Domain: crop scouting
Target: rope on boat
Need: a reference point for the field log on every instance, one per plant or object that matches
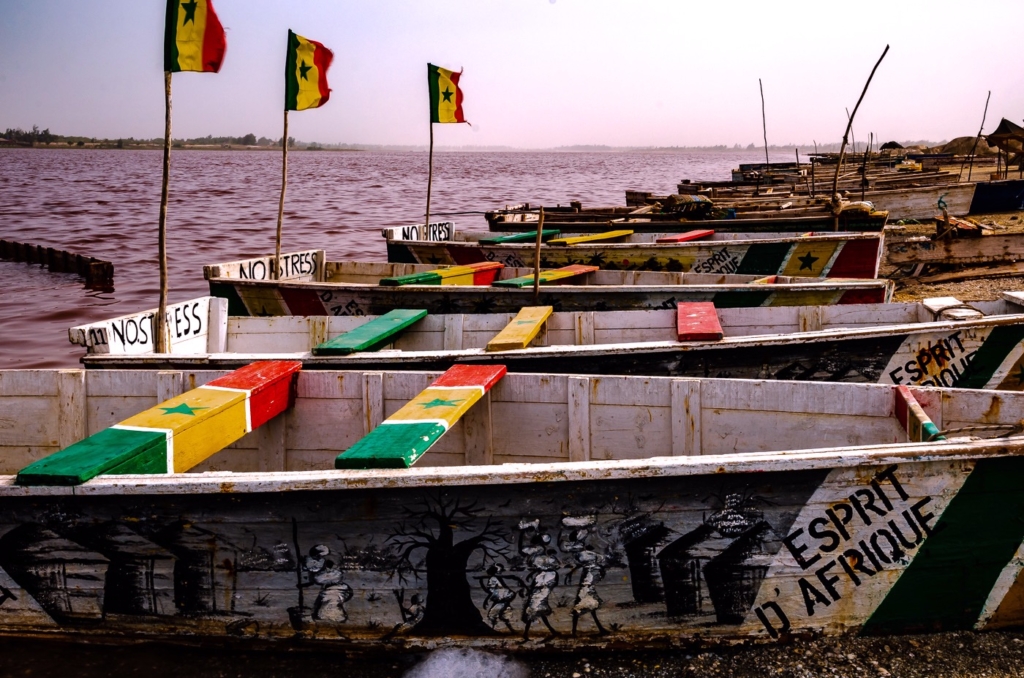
(1011, 430)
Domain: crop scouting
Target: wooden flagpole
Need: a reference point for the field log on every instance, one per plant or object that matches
(430, 176)
(536, 257)
(276, 273)
(836, 202)
(160, 326)
(764, 126)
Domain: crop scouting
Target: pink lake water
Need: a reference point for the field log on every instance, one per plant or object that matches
(223, 206)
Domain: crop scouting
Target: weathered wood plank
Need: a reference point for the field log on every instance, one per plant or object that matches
(913, 418)
(71, 426)
(592, 237)
(686, 237)
(528, 236)
(548, 276)
(372, 335)
(178, 434)
(407, 434)
(482, 273)
(697, 321)
(579, 418)
(522, 330)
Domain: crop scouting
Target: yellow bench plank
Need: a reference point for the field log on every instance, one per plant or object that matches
(593, 237)
(522, 330)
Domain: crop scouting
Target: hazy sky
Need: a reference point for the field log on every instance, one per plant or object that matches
(538, 73)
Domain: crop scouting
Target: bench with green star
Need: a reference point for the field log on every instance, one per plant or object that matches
(522, 330)
(406, 435)
(177, 434)
(373, 335)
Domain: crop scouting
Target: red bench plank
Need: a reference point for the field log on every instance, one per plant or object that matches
(270, 391)
(698, 321)
(684, 237)
(471, 375)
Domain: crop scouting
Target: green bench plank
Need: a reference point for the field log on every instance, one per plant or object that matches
(530, 236)
(112, 450)
(373, 335)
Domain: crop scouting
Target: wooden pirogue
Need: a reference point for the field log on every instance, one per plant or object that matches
(685, 211)
(558, 512)
(355, 288)
(618, 247)
(939, 342)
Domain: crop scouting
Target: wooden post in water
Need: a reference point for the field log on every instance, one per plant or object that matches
(764, 126)
(836, 203)
(536, 257)
(276, 273)
(160, 324)
(977, 139)
(430, 177)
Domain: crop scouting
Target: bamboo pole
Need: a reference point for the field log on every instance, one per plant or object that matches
(836, 203)
(430, 177)
(276, 273)
(764, 126)
(536, 257)
(160, 326)
(864, 167)
(977, 139)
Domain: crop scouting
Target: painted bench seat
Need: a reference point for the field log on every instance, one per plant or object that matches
(529, 236)
(548, 276)
(522, 329)
(686, 237)
(406, 435)
(698, 321)
(592, 237)
(480, 273)
(373, 335)
(177, 434)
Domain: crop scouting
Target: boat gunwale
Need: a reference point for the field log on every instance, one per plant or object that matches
(556, 350)
(256, 482)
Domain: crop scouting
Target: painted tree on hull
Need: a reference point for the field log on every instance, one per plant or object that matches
(433, 524)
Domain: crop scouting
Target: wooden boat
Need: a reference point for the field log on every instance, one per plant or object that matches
(940, 342)
(679, 213)
(959, 252)
(561, 512)
(832, 255)
(351, 288)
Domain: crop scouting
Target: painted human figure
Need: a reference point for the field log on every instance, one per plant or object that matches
(334, 593)
(542, 578)
(498, 603)
(591, 566)
(412, 613)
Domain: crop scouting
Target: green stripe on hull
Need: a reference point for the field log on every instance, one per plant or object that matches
(741, 299)
(125, 450)
(391, 446)
(991, 355)
(764, 258)
(236, 307)
(946, 585)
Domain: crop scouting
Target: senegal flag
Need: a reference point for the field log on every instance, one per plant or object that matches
(445, 95)
(305, 74)
(193, 37)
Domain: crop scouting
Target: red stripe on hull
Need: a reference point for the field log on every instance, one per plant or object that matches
(858, 259)
(302, 302)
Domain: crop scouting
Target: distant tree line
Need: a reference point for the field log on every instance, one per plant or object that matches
(31, 136)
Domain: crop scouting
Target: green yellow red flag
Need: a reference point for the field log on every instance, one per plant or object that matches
(305, 74)
(194, 39)
(445, 95)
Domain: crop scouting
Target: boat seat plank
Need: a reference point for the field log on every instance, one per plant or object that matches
(950, 308)
(698, 321)
(522, 330)
(592, 237)
(406, 435)
(548, 276)
(913, 418)
(177, 434)
(686, 237)
(528, 236)
(767, 280)
(480, 273)
(373, 335)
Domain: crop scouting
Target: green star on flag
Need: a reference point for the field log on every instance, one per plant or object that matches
(440, 402)
(183, 408)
